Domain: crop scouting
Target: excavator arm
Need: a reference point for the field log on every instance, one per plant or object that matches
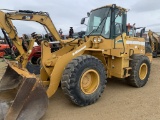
(7, 25)
(31, 100)
(40, 17)
(25, 15)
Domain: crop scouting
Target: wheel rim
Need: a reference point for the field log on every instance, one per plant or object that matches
(143, 71)
(38, 61)
(89, 81)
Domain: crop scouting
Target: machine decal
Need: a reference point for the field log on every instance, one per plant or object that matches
(135, 42)
(27, 17)
(119, 41)
(77, 51)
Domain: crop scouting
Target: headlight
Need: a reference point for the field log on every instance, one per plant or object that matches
(95, 40)
(99, 39)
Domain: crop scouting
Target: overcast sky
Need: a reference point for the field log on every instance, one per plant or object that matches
(67, 13)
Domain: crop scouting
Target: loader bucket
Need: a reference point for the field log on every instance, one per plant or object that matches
(29, 102)
(11, 79)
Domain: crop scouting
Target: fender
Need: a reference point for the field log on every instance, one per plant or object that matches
(61, 63)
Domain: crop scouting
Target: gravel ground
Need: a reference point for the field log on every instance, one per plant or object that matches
(118, 102)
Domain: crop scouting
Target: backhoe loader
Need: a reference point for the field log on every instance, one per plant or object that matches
(154, 43)
(81, 66)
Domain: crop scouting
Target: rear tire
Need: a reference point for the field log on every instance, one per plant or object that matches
(77, 81)
(154, 54)
(148, 49)
(140, 71)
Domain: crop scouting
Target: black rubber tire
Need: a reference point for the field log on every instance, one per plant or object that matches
(134, 79)
(148, 49)
(39, 61)
(70, 82)
(33, 68)
(34, 60)
(16, 52)
(7, 51)
(154, 54)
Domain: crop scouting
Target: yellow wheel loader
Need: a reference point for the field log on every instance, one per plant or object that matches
(154, 42)
(81, 66)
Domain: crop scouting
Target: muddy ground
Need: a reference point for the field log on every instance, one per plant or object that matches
(118, 102)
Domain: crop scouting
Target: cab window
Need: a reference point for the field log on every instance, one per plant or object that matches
(118, 23)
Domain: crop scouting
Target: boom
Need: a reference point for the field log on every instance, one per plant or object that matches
(25, 15)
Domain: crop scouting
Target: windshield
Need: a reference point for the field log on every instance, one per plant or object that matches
(99, 22)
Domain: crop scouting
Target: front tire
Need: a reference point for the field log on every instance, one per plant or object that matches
(84, 80)
(139, 74)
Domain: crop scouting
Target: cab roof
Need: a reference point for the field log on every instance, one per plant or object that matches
(124, 9)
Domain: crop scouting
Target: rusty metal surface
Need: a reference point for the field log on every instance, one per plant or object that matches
(31, 100)
(35, 105)
(30, 103)
(4, 106)
(10, 79)
(6, 99)
(19, 101)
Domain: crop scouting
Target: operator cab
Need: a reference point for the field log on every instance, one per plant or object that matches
(108, 22)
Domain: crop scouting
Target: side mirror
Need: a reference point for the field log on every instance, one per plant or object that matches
(142, 32)
(82, 20)
(88, 14)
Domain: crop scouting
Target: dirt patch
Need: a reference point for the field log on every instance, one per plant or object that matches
(118, 102)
